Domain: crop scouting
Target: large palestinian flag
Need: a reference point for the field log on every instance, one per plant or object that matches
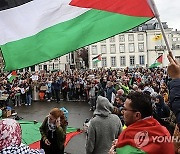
(157, 62)
(34, 31)
(31, 135)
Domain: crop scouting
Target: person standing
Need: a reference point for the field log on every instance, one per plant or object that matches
(103, 128)
(28, 94)
(57, 87)
(174, 95)
(142, 128)
(110, 92)
(53, 132)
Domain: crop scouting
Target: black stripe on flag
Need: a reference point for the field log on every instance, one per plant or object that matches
(96, 57)
(7, 4)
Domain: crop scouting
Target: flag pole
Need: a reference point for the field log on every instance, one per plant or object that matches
(156, 13)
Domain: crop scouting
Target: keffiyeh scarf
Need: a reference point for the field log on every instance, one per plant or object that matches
(10, 133)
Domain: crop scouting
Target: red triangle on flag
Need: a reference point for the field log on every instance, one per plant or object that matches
(99, 58)
(14, 73)
(159, 59)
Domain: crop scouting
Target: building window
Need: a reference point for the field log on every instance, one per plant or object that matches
(103, 49)
(122, 61)
(121, 38)
(131, 47)
(104, 41)
(141, 47)
(177, 58)
(131, 37)
(56, 66)
(160, 47)
(40, 67)
(159, 54)
(112, 48)
(132, 60)
(157, 26)
(95, 65)
(104, 62)
(140, 28)
(177, 46)
(140, 37)
(94, 49)
(50, 66)
(174, 39)
(112, 39)
(121, 47)
(141, 60)
(56, 59)
(113, 61)
(67, 58)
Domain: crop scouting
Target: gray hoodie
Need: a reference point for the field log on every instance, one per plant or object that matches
(103, 128)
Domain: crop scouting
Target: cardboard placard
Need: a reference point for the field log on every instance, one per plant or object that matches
(120, 73)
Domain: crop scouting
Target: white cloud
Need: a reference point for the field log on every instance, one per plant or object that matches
(169, 11)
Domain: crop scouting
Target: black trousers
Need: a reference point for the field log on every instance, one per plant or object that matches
(53, 148)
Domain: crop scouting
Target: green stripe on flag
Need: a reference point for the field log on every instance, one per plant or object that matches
(96, 61)
(31, 133)
(154, 65)
(129, 150)
(65, 37)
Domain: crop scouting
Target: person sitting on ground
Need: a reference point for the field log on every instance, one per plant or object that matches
(142, 128)
(10, 139)
(104, 127)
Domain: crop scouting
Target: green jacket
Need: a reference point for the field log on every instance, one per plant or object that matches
(60, 133)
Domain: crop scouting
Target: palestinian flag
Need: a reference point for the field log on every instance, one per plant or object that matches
(129, 150)
(139, 138)
(157, 62)
(35, 31)
(31, 135)
(97, 59)
(12, 76)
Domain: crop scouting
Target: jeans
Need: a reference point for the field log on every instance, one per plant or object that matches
(28, 99)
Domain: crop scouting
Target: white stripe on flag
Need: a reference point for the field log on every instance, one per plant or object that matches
(29, 19)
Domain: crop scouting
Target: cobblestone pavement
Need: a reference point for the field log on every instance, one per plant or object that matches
(78, 112)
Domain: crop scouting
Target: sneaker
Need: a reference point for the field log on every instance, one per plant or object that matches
(48, 100)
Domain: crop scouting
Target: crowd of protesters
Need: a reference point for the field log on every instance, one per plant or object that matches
(87, 85)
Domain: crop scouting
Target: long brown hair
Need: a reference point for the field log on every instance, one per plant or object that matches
(56, 113)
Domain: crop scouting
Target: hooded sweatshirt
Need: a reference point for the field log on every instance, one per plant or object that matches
(103, 128)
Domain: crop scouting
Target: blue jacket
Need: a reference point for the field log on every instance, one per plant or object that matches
(174, 91)
(109, 92)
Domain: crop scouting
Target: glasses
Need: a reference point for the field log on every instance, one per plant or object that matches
(124, 109)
